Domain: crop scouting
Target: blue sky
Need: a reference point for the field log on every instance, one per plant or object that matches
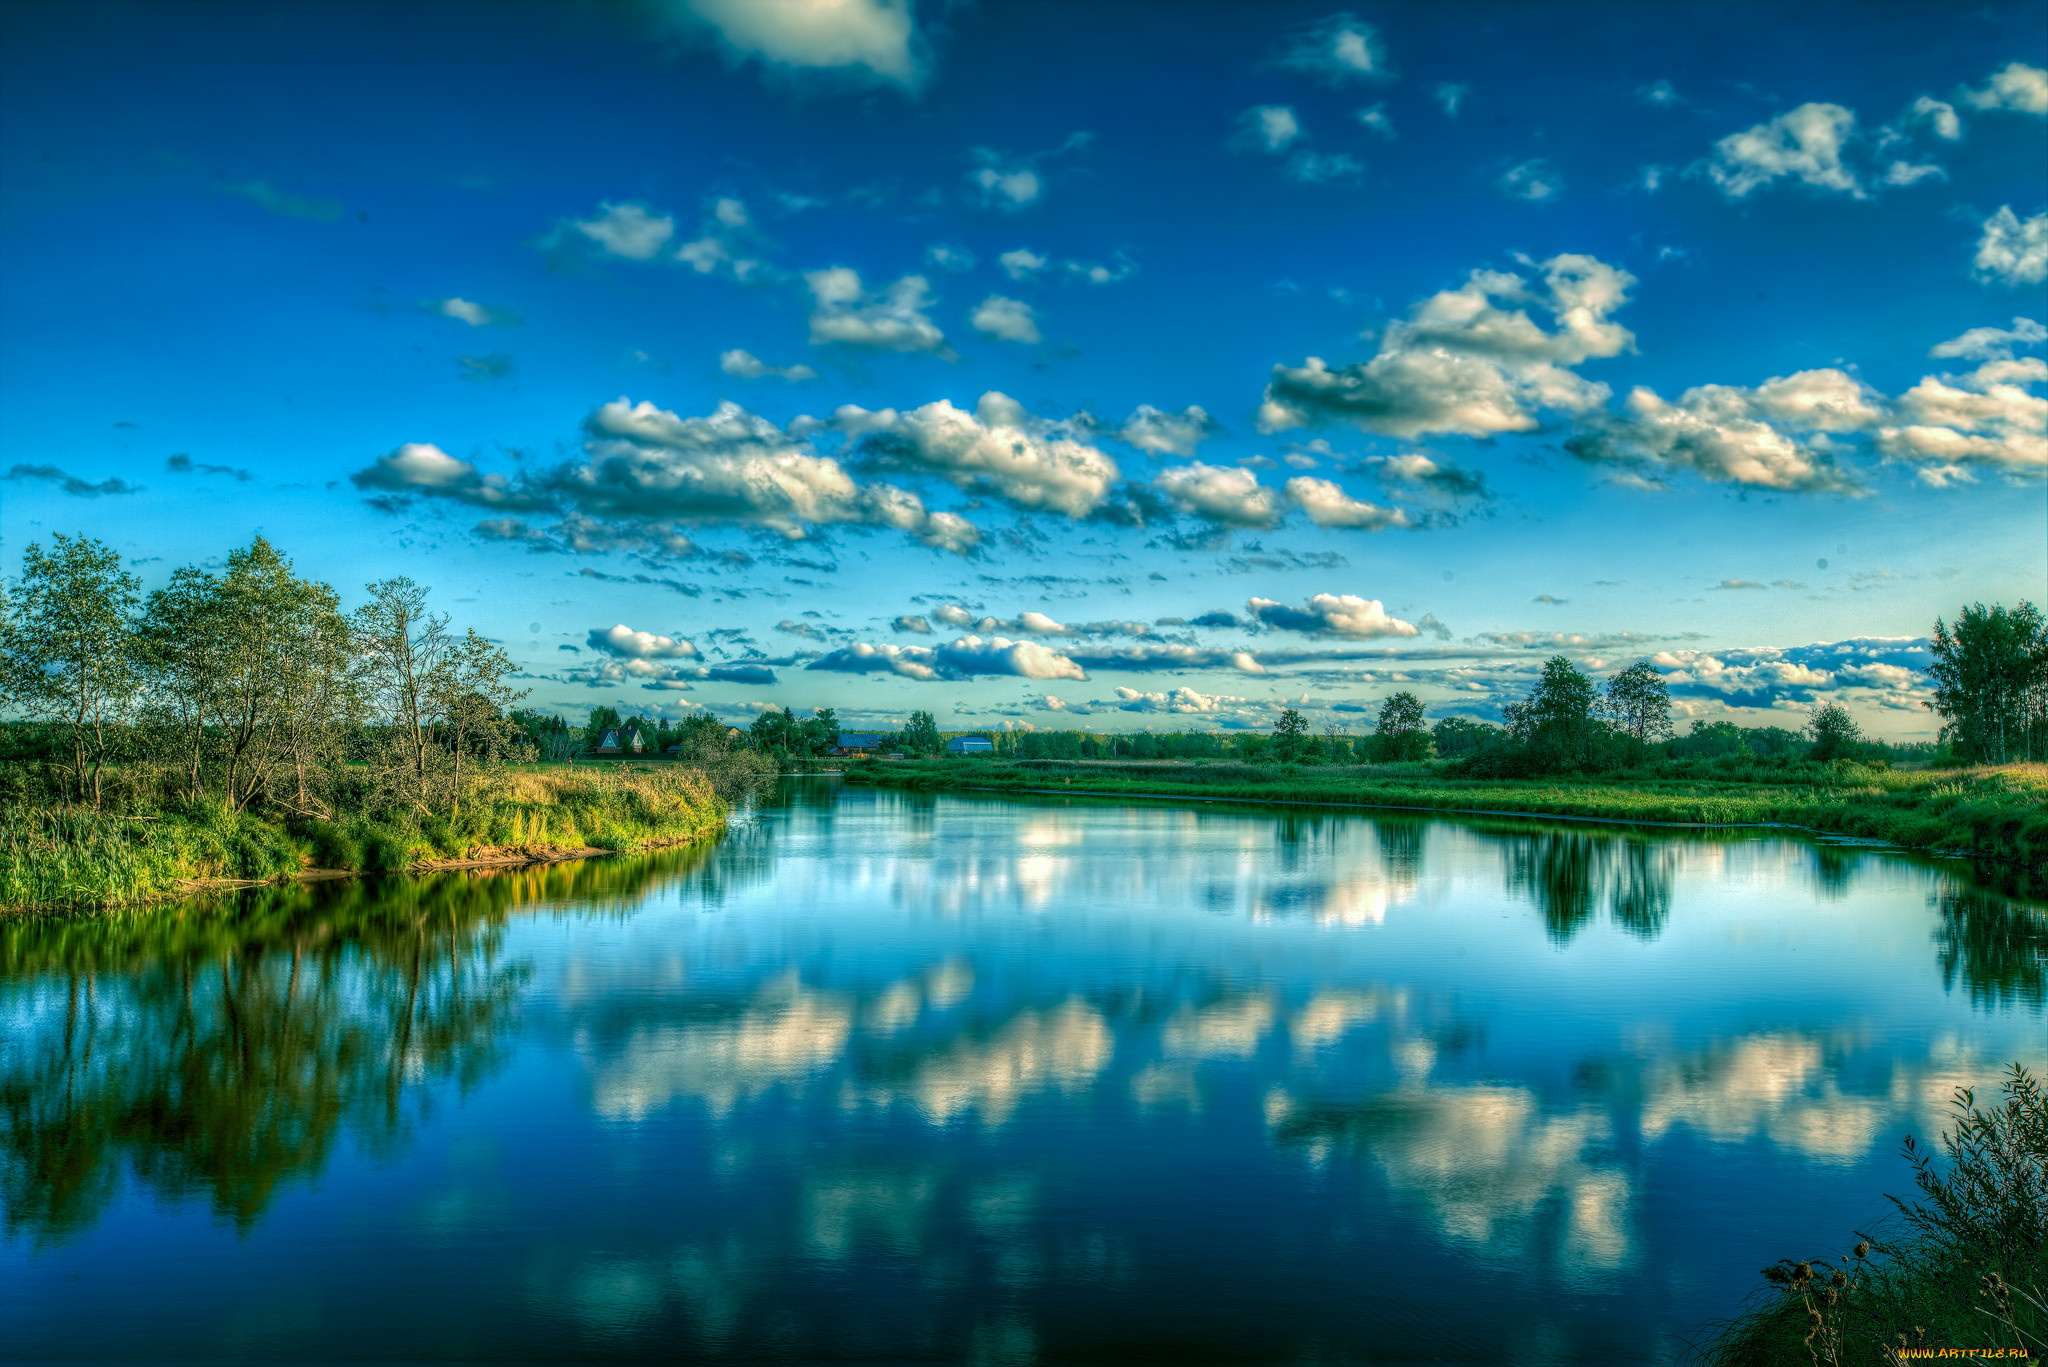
(1055, 365)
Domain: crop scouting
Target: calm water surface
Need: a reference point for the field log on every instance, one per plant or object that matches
(888, 1078)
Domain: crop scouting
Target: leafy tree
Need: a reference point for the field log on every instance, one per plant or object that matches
(70, 650)
(602, 719)
(770, 732)
(1990, 677)
(703, 737)
(182, 662)
(404, 649)
(475, 696)
(1455, 737)
(1554, 724)
(1639, 704)
(920, 735)
(1401, 733)
(821, 732)
(1834, 732)
(1291, 741)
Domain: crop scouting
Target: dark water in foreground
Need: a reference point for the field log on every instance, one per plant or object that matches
(890, 1078)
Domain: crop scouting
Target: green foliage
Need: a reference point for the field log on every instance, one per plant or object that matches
(1638, 704)
(1554, 725)
(1990, 678)
(1402, 735)
(920, 735)
(1835, 733)
(1458, 737)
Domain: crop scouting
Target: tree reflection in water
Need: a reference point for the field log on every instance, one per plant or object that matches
(1999, 947)
(224, 1045)
(1568, 873)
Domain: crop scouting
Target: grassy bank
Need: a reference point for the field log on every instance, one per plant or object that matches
(1998, 813)
(84, 858)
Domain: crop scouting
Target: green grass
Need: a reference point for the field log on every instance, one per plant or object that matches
(83, 858)
(1998, 813)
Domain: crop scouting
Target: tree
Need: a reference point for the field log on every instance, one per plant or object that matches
(1990, 676)
(1401, 733)
(181, 662)
(1639, 704)
(70, 650)
(920, 735)
(821, 732)
(475, 695)
(1833, 730)
(1291, 742)
(771, 731)
(1555, 722)
(1458, 736)
(404, 648)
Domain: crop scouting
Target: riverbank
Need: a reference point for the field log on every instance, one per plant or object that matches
(82, 858)
(1998, 813)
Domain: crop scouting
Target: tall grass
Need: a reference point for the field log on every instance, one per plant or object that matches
(79, 857)
(1966, 1271)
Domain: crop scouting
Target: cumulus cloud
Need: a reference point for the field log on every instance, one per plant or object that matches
(419, 467)
(1009, 320)
(1470, 361)
(746, 365)
(475, 314)
(1993, 344)
(1533, 180)
(1339, 49)
(1805, 144)
(1377, 120)
(1330, 614)
(2013, 251)
(875, 40)
(624, 643)
(917, 625)
(1416, 469)
(630, 230)
(1178, 702)
(1327, 505)
(999, 448)
(963, 659)
(1004, 183)
(2015, 86)
(893, 320)
(1022, 263)
(1939, 115)
(1159, 433)
(1266, 128)
(726, 243)
(1724, 433)
(940, 256)
(1989, 417)
(1794, 678)
(1228, 496)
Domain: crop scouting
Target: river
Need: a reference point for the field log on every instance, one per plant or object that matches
(881, 1077)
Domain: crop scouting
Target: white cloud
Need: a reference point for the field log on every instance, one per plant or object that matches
(1021, 264)
(940, 256)
(893, 320)
(918, 625)
(747, 366)
(1096, 274)
(2013, 251)
(1338, 49)
(1221, 494)
(1000, 447)
(1377, 120)
(1463, 363)
(1905, 173)
(474, 314)
(964, 658)
(2015, 86)
(628, 230)
(878, 37)
(1532, 180)
(1180, 701)
(1805, 143)
(1451, 96)
(625, 643)
(1327, 505)
(419, 467)
(1010, 320)
(1158, 433)
(1331, 614)
(1989, 417)
(1938, 115)
(1721, 432)
(1003, 183)
(1993, 344)
(1659, 94)
(1266, 128)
